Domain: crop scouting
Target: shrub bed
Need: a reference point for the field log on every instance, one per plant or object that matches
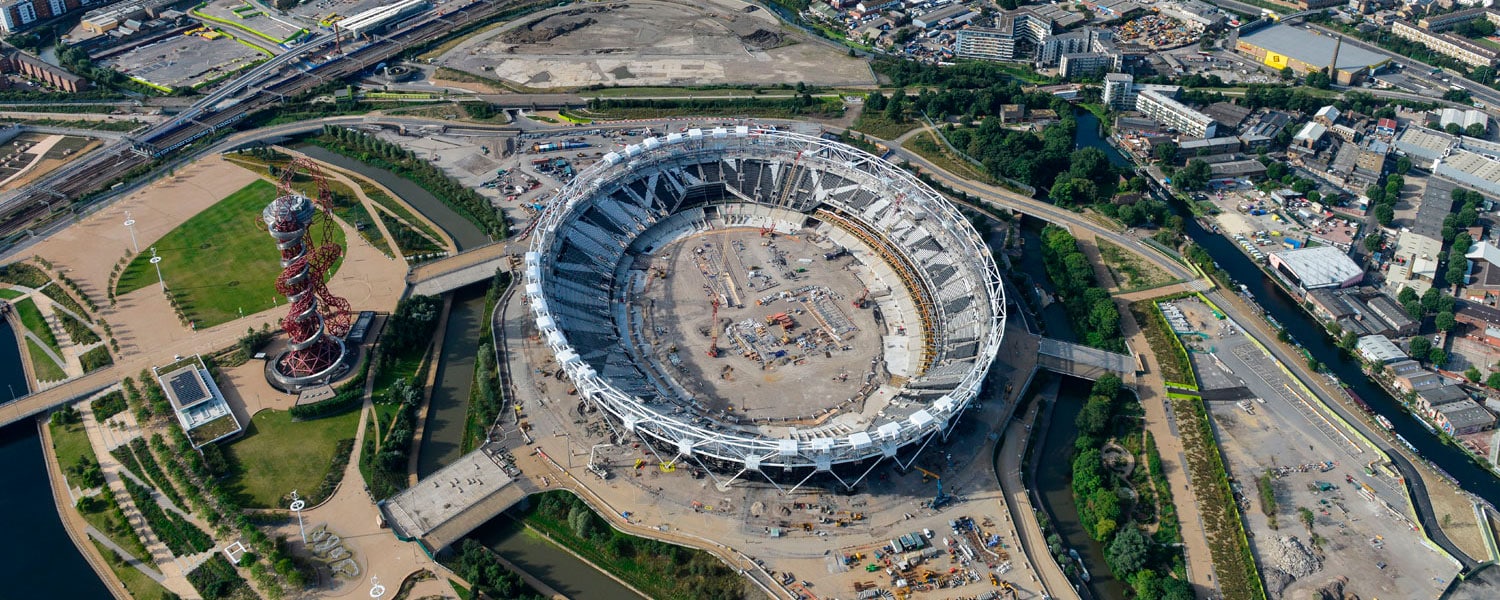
(1238, 577)
(179, 535)
(108, 405)
(95, 359)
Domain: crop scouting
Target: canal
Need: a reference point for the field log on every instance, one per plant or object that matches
(41, 562)
(1282, 307)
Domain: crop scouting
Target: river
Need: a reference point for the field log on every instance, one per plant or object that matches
(41, 562)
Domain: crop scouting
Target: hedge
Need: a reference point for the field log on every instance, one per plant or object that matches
(343, 402)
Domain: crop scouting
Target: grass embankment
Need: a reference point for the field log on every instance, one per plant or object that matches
(137, 583)
(876, 124)
(1176, 366)
(926, 145)
(278, 455)
(42, 365)
(221, 260)
(1238, 577)
(1129, 271)
(32, 319)
(765, 108)
(658, 569)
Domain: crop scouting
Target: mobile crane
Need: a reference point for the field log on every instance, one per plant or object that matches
(713, 341)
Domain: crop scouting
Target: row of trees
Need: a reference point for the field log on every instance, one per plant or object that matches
(1089, 306)
(408, 334)
(477, 565)
(1131, 554)
(1383, 196)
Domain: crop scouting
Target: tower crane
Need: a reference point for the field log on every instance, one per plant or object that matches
(713, 341)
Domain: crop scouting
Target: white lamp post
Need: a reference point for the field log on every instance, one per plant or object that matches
(130, 224)
(376, 590)
(156, 262)
(297, 505)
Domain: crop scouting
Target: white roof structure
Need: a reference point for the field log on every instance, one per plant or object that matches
(1319, 267)
(1485, 251)
(1329, 112)
(1310, 132)
(1379, 349)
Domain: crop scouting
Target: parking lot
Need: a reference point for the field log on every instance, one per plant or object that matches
(185, 61)
(1270, 427)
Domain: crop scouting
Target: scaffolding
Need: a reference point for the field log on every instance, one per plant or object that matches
(920, 294)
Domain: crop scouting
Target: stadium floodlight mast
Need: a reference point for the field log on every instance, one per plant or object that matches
(156, 262)
(130, 224)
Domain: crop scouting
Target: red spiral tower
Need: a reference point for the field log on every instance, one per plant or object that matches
(316, 320)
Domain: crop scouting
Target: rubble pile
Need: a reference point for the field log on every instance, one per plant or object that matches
(1291, 556)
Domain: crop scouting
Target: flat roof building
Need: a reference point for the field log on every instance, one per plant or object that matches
(1379, 349)
(1463, 417)
(197, 402)
(1280, 46)
(1468, 168)
(1424, 146)
(1447, 44)
(1414, 262)
(1174, 114)
(1317, 268)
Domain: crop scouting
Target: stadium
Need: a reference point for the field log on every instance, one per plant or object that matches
(761, 302)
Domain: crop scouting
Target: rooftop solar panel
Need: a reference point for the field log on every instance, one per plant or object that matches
(187, 388)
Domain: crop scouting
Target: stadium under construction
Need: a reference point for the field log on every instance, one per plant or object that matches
(754, 302)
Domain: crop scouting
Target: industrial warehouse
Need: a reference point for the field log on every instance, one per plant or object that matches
(1281, 46)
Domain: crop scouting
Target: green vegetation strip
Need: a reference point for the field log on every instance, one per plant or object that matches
(180, 535)
(1238, 577)
(77, 331)
(95, 358)
(220, 261)
(61, 296)
(42, 365)
(278, 455)
(32, 319)
(658, 569)
(1176, 365)
(1088, 305)
(10, 294)
(137, 583)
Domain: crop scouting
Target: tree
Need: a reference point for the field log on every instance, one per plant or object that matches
(1165, 152)
(1437, 357)
(1176, 589)
(1420, 346)
(1453, 129)
(1372, 243)
(1385, 214)
(1406, 295)
(894, 111)
(1348, 341)
(1093, 420)
(1288, 74)
(1403, 164)
(1194, 176)
(1307, 517)
(1472, 373)
(1074, 192)
(1493, 380)
(1476, 130)
(1429, 299)
(1129, 551)
(1444, 321)
(1146, 583)
(1318, 79)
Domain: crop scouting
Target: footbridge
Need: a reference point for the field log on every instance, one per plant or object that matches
(445, 506)
(1082, 361)
(68, 391)
(446, 274)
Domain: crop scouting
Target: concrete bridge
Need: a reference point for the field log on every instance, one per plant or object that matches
(445, 506)
(446, 274)
(73, 389)
(1082, 361)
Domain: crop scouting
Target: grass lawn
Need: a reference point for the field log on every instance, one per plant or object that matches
(346, 205)
(46, 369)
(32, 318)
(70, 443)
(137, 583)
(10, 294)
(219, 261)
(875, 124)
(1131, 272)
(277, 455)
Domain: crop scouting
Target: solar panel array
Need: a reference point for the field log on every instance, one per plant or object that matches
(187, 388)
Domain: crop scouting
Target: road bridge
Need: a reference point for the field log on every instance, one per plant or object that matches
(445, 506)
(1082, 361)
(447, 274)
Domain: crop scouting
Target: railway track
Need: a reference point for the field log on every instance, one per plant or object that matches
(61, 192)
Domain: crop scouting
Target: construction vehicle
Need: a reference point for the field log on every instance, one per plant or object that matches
(862, 300)
(713, 338)
(942, 499)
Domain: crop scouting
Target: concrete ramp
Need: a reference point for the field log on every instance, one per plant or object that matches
(445, 506)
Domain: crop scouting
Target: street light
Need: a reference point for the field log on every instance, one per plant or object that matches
(297, 505)
(130, 224)
(376, 590)
(156, 262)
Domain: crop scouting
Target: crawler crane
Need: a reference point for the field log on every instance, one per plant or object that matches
(713, 340)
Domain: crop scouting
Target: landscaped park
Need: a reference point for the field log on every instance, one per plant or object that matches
(220, 263)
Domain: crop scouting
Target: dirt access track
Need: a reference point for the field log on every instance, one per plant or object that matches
(654, 43)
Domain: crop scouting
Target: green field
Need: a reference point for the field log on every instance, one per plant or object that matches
(277, 455)
(32, 318)
(10, 294)
(220, 261)
(46, 369)
(137, 583)
(70, 444)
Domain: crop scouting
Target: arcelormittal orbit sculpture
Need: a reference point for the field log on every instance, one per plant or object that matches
(316, 320)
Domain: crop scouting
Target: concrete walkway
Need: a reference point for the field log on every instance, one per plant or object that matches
(1018, 501)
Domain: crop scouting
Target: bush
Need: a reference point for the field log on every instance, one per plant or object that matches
(1089, 306)
(216, 579)
(77, 331)
(95, 359)
(180, 536)
(108, 405)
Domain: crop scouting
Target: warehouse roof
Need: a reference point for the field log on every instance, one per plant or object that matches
(1322, 266)
(1311, 48)
(1379, 349)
